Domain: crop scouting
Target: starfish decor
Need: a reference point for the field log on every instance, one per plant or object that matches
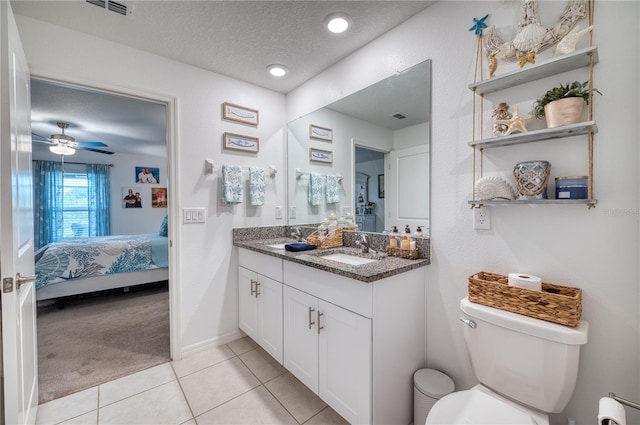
(515, 123)
(479, 25)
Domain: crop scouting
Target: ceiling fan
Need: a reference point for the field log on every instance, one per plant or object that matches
(62, 144)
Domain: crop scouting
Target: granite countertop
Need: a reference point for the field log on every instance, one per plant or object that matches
(385, 266)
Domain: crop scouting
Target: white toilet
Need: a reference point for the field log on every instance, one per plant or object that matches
(526, 368)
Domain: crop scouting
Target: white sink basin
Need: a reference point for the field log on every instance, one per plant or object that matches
(348, 259)
(277, 245)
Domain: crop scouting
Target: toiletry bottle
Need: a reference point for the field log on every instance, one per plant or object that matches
(393, 239)
(323, 229)
(419, 233)
(333, 224)
(406, 242)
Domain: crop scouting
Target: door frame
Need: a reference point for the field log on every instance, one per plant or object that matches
(171, 108)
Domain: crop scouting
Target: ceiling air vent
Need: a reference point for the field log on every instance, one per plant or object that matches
(118, 7)
(399, 116)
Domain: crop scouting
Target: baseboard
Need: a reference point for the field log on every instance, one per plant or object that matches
(212, 342)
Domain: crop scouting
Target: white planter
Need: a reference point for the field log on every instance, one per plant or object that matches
(564, 111)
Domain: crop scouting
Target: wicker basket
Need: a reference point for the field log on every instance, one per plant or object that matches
(404, 253)
(327, 241)
(558, 304)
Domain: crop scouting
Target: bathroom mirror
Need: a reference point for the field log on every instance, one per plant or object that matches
(381, 132)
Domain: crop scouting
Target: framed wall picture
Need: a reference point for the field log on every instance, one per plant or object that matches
(147, 175)
(240, 114)
(159, 197)
(238, 142)
(381, 186)
(319, 155)
(320, 133)
(131, 197)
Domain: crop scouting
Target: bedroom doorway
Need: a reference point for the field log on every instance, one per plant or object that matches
(130, 133)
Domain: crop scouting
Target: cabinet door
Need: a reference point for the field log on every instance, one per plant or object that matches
(248, 303)
(270, 316)
(345, 362)
(301, 336)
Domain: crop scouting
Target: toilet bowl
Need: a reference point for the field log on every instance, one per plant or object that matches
(480, 405)
(526, 367)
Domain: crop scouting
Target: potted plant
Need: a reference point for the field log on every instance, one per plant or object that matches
(563, 105)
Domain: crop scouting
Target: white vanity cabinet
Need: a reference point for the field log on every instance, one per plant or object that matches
(260, 300)
(356, 344)
(328, 348)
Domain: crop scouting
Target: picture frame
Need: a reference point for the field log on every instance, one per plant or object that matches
(147, 175)
(320, 133)
(159, 197)
(131, 197)
(238, 142)
(319, 155)
(241, 114)
(380, 186)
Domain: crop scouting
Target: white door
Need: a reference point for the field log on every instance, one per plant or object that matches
(248, 303)
(270, 316)
(345, 361)
(19, 349)
(407, 188)
(301, 336)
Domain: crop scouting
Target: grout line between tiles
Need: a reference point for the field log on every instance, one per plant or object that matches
(184, 395)
(281, 404)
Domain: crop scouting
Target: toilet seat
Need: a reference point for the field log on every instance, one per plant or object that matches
(480, 405)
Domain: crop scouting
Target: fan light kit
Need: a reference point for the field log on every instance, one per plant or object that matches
(66, 144)
(62, 150)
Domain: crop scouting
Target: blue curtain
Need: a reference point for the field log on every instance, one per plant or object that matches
(99, 185)
(48, 197)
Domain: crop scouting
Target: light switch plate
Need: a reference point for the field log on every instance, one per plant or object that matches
(278, 213)
(292, 211)
(194, 215)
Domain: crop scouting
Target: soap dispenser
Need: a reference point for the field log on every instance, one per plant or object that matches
(393, 239)
(406, 239)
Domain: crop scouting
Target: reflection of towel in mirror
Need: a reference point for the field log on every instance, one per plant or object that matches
(257, 185)
(316, 189)
(333, 189)
(232, 184)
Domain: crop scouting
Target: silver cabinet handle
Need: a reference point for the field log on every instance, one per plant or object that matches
(257, 287)
(318, 319)
(253, 291)
(468, 322)
(311, 310)
(22, 280)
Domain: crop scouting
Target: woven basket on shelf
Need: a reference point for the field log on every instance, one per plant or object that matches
(404, 253)
(555, 303)
(327, 241)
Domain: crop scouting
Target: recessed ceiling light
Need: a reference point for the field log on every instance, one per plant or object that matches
(337, 22)
(277, 70)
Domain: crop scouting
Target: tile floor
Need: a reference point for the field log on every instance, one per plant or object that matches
(237, 383)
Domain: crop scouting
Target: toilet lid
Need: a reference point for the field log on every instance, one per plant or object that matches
(476, 407)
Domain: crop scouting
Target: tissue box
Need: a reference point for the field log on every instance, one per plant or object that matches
(572, 187)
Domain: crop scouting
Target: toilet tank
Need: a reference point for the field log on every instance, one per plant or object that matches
(529, 360)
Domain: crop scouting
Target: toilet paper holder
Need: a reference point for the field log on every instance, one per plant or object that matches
(623, 402)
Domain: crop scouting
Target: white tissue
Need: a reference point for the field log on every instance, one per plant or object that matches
(526, 281)
(612, 410)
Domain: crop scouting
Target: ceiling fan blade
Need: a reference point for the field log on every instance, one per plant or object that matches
(94, 150)
(42, 139)
(88, 144)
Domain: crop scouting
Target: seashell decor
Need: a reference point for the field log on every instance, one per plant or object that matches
(491, 187)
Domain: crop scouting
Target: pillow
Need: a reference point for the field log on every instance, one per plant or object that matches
(164, 226)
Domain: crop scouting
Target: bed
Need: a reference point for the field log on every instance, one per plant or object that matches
(81, 265)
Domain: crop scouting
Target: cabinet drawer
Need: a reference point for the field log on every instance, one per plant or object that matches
(261, 263)
(348, 293)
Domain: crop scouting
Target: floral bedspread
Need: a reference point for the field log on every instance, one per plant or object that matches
(85, 257)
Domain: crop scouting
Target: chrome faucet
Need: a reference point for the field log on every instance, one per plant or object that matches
(364, 244)
(297, 234)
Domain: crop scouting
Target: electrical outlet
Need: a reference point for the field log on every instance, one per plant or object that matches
(292, 211)
(482, 218)
(278, 213)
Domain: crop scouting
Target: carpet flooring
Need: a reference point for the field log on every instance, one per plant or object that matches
(87, 341)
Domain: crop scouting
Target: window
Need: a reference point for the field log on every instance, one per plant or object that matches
(75, 208)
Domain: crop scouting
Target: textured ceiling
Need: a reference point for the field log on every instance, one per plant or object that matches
(234, 38)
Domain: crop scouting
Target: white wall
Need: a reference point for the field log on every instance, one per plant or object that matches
(131, 221)
(596, 250)
(207, 267)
